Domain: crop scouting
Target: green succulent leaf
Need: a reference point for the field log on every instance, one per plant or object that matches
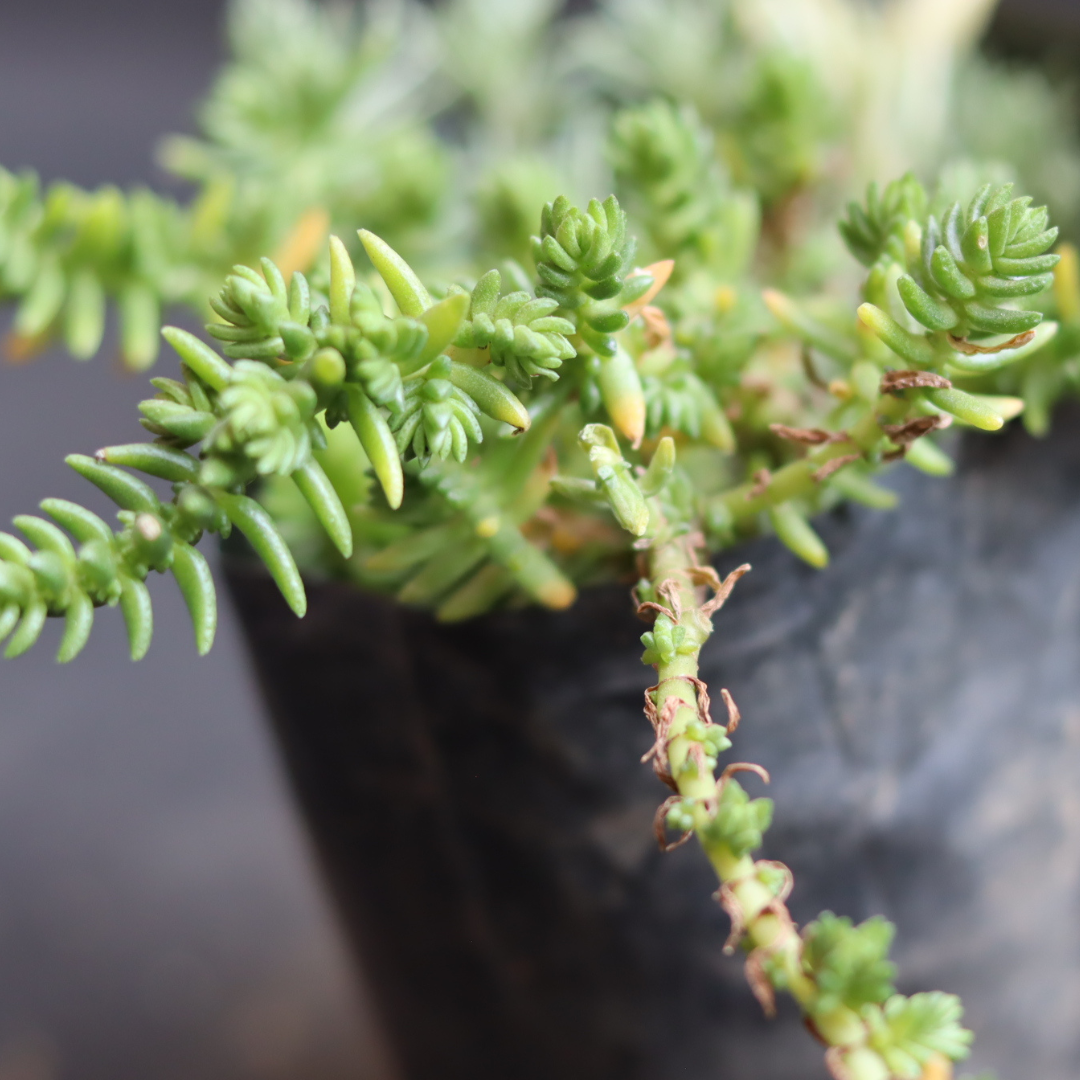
(877, 228)
(582, 258)
(907, 1031)
(849, 963)
(523, 334)
(680, 400)
(267, 419)
(437, 420)
(615, 479)
(739, 822)
(675, 187)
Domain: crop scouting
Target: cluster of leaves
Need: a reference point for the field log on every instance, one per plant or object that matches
(306, 360)
(248, 421)
(666, 162)
(424, 383)
(65, 252)
(522, 332)
(740, 822)
(319, 107)
(957, 272)
(849, 963)
(344, 115)
(908, 1031)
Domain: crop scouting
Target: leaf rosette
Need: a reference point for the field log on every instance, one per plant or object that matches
(976, 261)
(523, 333)
(438, 419)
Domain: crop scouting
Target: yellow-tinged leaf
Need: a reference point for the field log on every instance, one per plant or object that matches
(1008, 408)
(477, 358)
(557, 594)
(660, 272)
(622, 395)
(301, 246)
(937, 1067)
(443, 321)
(19, 349)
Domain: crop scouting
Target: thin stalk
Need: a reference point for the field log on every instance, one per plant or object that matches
(798, 479)
(752, 892)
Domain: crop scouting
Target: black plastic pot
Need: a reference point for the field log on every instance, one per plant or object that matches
(476, 794)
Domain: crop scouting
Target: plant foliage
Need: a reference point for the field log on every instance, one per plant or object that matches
(405, 411)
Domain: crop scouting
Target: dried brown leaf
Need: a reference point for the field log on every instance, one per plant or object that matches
(972, 349)
(906, 433)
(833, 465)
(734, 716)
(808, 436)
(893, 382)
(742, 766)
(712, 606)
(660, 825)
(762, 480)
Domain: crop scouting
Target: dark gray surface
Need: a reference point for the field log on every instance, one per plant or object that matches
(918, 705)
(1038, 28)
(159, 915)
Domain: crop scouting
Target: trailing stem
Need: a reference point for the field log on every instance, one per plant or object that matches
(838, 973)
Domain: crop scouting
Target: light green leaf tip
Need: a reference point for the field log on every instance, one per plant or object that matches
(405, 287)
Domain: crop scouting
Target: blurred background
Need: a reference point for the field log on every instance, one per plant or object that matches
(160, 913)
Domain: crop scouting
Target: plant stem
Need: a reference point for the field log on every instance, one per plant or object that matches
(752, 893)
(746, 501)
(674, 562)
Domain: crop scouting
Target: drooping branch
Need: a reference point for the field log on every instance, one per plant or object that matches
(838, 973)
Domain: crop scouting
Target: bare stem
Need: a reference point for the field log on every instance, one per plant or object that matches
(715, 808)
